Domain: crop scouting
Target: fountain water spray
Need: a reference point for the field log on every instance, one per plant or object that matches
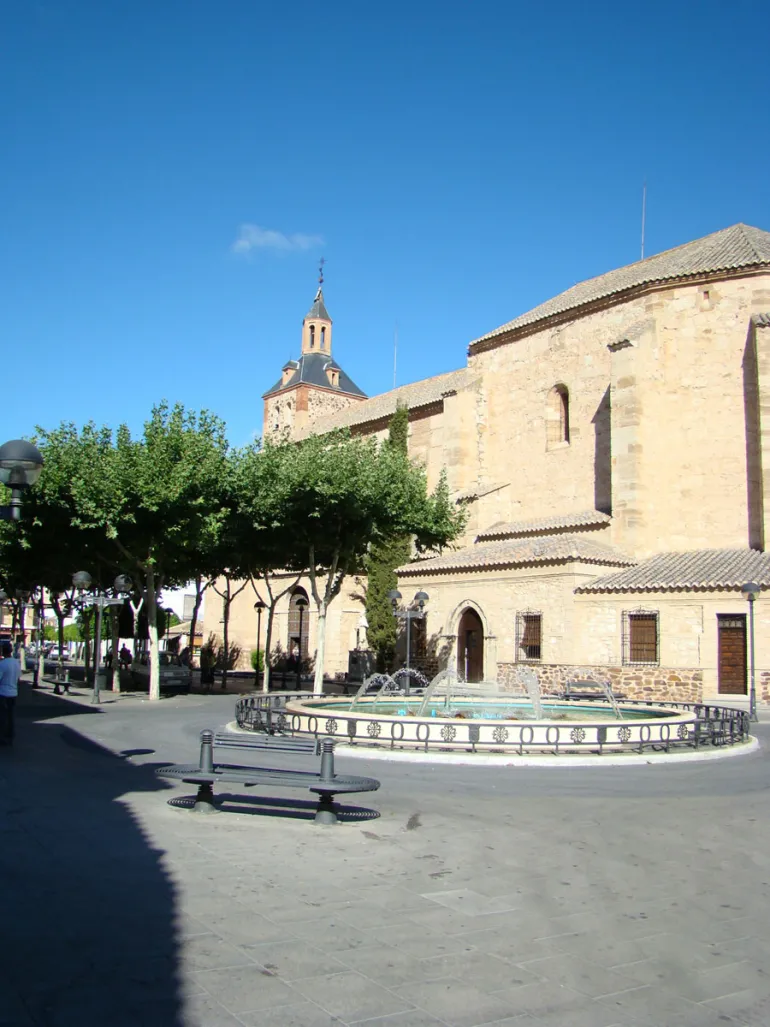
(527, 677)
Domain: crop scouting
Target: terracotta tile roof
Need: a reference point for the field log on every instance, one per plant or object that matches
(519, 552)
(761, 320)
(544, 525)
(697, 569)
(740, 246)
(418, 394)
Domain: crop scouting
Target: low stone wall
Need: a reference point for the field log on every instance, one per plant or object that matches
(648, 683)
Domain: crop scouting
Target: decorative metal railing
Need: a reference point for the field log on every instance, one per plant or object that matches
(691, 725)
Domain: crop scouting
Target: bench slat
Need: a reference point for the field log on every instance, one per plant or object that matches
(228, 741)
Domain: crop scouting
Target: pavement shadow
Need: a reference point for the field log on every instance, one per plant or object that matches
(87, 910)
(39, 704)
(260, 806)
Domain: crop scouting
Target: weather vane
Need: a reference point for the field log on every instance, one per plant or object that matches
(321, 271)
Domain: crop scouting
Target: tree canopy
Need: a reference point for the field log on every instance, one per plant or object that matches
(175, 504)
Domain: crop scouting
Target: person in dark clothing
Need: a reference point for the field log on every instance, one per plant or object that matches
(10, 670)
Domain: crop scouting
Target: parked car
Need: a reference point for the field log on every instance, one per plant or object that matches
(174, 675)
(56, 654)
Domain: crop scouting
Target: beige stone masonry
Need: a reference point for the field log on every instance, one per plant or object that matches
(644, 683)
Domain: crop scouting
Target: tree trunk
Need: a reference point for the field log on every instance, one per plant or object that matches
(115, 665)
(23, 648)
(318, 681)
(87, 641)
(135, 614)
(152, 628)
(41, 639)
(194, 618)
(226, 633)
(60, 622)
(268, 640)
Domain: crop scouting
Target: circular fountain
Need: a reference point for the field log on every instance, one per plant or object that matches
(448, 714)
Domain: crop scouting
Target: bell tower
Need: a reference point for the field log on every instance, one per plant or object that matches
(314, 385)
(317, 326)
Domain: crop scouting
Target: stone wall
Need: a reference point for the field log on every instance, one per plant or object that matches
(648, 683)
(321, 403)
(670, 361)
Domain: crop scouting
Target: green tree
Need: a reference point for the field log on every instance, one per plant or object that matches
(338, 495)
(266, 539)
(155, 499)
(380, 565)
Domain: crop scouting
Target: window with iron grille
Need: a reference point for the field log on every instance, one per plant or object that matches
(529, 637)
(641, 636)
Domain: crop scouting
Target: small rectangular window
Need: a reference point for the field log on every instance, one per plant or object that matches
(641, 638)
(529, 637)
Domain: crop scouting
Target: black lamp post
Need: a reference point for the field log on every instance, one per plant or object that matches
(82, 581)
(20, 467)
(750, 591)
(301, 603)
(259, 606)
(416, 611)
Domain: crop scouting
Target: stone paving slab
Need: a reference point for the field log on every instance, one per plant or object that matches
(478, 896)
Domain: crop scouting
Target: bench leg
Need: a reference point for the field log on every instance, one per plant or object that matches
(204, 800)
(326, 812)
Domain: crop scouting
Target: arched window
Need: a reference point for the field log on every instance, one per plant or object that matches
(323, 336)
(299, 622)
(557, 416)
(312, 336)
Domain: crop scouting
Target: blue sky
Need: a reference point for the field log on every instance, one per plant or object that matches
(455, 163)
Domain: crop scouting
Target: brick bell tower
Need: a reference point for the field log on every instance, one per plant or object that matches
(313, 386)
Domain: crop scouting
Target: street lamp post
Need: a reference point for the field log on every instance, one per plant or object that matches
(168, 611)
(259, 606)
(20, 467)
(750, 591)
(301, 603)
(82, 581)
(408, 614)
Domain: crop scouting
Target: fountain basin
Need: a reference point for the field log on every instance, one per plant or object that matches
(502, 723)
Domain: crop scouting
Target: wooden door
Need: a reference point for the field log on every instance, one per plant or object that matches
(732, 653)
(470, 647)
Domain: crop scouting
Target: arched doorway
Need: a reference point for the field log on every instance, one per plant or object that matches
(470, 646)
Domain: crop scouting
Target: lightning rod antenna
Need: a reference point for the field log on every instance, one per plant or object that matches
(644, 212)
(395, 353)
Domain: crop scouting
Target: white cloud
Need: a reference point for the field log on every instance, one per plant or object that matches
(254, 237)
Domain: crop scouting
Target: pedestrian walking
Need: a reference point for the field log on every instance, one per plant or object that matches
(10, 669)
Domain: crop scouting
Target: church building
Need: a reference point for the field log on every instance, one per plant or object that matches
(612, 449)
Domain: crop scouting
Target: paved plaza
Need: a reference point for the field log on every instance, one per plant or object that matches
(503, 896)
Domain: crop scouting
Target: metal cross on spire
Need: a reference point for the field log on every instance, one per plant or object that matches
(321, 271)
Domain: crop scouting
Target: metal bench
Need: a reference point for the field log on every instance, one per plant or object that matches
(325, 784)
